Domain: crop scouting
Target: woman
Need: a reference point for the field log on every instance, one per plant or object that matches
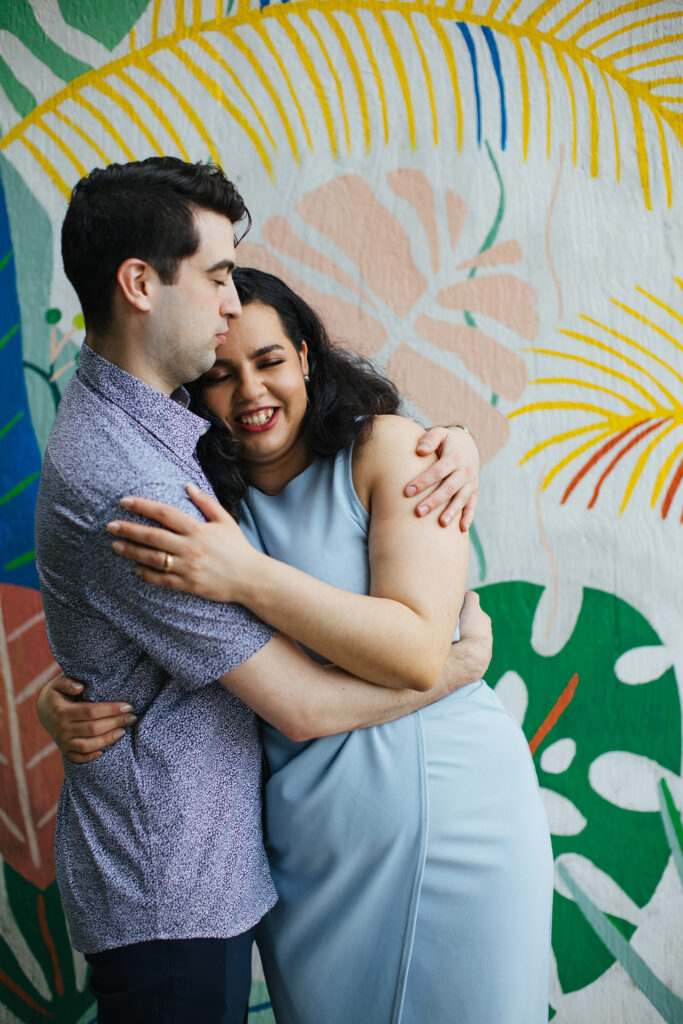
(412, 859)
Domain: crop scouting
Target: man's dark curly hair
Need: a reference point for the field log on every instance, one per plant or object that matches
(146, 210)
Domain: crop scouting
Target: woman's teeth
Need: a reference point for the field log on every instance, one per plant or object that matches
(257, 419)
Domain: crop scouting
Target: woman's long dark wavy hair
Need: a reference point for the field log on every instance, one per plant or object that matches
(345, 392)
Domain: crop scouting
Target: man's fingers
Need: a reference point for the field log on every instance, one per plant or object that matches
(467, 517)
(433, 475)
(431, 440)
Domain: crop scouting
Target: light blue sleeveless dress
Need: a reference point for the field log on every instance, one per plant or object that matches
(412, 860)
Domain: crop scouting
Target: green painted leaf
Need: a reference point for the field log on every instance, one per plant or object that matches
(603, 715)
(38, 912)
(108, 23)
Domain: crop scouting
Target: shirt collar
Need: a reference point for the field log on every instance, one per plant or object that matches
(168, 419)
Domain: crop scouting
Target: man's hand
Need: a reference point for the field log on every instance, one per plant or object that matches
(475, 625)
(80, 729)
(457, 470)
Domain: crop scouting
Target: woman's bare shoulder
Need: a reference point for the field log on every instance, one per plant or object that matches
(388, 452)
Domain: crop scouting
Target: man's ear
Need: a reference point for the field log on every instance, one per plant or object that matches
(136, 280)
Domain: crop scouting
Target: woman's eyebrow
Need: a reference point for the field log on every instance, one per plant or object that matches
(265, 350)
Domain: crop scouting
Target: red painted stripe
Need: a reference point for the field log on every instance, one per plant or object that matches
(596, 458)
(632, 443)
(13, 987)
(556, 711)
(45, 931)
(673, 487)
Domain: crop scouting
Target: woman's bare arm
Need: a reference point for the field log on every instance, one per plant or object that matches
(398, 636)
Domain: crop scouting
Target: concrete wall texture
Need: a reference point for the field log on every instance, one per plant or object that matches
(484, 196)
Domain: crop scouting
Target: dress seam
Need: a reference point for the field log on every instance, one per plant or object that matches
(414, 903)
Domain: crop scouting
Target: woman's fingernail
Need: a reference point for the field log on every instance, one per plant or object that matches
(130, 719)
(410, 491)
(422, 510)
(118, 733)
(126, 502)
(76, 686)
(191, 487)
(117, 546)
(446, 520)
(114, 526)
(423, 447)
(125, 708)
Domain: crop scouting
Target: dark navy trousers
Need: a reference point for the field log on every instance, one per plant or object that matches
(174, 981)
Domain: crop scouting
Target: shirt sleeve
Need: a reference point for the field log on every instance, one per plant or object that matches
(194, 640)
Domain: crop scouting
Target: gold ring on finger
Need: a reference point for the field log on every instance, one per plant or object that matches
(168, 562)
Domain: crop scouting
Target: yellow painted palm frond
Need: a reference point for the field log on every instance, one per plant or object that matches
(344, 74)
(641, 410)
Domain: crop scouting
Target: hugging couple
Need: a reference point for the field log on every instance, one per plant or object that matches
(307, 753)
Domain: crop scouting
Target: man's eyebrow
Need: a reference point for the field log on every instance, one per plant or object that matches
(221, 265)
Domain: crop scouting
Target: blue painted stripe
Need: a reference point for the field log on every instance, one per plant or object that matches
(495, 58)
(260, 1006)
(467, 36)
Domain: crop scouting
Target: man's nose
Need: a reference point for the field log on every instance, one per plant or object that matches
(231, 306)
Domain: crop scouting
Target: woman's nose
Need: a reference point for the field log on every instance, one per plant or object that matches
(251, 386)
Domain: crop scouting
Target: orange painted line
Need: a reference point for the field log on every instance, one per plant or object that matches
(595, 458)
(555, 713)
(13, 987)
(671, 493)
(49, 942)
(632, 443)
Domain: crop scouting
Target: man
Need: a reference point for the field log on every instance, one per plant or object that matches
(159, 853)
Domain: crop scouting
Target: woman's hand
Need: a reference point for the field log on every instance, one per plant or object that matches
(213, 558)
(80, 729)
(457, 469)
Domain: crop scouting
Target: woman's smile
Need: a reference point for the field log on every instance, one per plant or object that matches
(257, 420)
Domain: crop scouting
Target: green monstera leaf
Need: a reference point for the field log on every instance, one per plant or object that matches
(589, 732)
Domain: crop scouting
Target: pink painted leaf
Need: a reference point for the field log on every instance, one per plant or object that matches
(346, 323)
(502, 297)
(448, 399)
(30, 765)
(496, 366)
(348, 213)
(502, 252)
(414, 187)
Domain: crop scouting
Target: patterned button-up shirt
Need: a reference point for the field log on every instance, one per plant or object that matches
(160, 837)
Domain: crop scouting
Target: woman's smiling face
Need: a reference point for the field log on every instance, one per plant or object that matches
(257, 388)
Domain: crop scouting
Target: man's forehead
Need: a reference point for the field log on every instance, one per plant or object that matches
(216, 236)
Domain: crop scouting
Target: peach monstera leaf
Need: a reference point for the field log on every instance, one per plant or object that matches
(30, 765)
(355, 260)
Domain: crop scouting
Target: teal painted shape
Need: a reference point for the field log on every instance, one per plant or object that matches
(663, 999)
(19, 96)
(673, 826)
(39, 915)
(19, 454)
(18, 18)
(32, 242)
(604, 715)
(108, 23)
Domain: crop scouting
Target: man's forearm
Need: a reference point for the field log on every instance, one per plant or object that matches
(305, 700)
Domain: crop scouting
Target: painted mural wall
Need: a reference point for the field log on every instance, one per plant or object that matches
(484, 196)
